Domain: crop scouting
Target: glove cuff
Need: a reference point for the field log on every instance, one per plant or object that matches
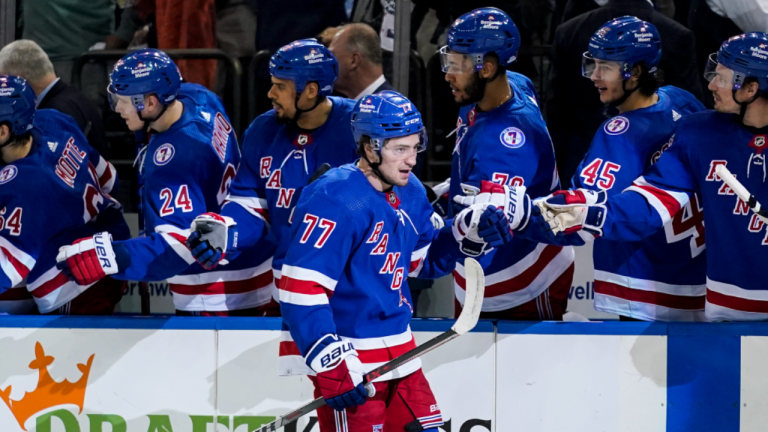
(328, 353)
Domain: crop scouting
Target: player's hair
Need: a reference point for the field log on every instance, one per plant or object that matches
(761, 94)
(360, 150)
(649, 82)
(26, 59)
(16, 140)
(362, 38)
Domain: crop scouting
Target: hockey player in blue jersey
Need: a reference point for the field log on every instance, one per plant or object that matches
(184, 170)
(50, 196)
(734, 135)
(662, 277)
(501, 139)
(306, 129)
(359, 232)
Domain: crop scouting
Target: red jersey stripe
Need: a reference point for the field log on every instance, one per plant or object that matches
(381, 355)
(736, 303)
(521, 281)
(21, 269)
(50, 286)
(225, 287)
(650, 297)
(671, 204)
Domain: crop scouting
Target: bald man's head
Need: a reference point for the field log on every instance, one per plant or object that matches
(358, 38)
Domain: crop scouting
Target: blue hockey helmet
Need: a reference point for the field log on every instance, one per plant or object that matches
(627, 41)
(746, 56)
(17, 103)
(386, 115)
(144, 72)
(476, 34)
(305, 61)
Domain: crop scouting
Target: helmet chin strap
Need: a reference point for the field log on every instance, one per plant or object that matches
(627, 93)
(299, 111)
(375, 168)
(743, 105)
(482, 83)
(147, 121)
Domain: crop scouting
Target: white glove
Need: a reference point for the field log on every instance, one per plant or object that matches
(212, 238)
(571, 211)
(442, 188)
(512, 200)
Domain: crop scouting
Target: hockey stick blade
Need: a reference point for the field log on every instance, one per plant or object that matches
(740, 190)
(470, 314)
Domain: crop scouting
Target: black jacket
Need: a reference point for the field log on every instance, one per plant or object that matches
(574, 110)
(69, 100)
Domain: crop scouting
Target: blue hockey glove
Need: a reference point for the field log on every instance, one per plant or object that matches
(212, 239)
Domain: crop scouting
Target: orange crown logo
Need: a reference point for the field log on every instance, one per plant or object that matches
(48, 393)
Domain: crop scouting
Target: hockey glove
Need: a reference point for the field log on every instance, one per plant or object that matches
(213, 237)
(512, 200)
(571, 211)
(88, 259)
(480, 228)
(339, 373)
(439, 198)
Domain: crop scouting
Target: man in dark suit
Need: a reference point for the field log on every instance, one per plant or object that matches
(574, 110)
(26, 59)
(358, 51)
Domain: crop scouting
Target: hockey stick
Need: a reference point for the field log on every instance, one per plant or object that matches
(473, 303)
(741, 191)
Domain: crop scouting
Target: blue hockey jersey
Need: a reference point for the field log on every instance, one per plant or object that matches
(278, 161)
(49, 199)
(183, 172)
(661, 278)
(736, 239)
(346, 271)
(509, 145)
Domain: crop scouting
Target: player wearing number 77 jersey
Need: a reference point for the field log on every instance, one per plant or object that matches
(184, 170)
(359, 232)
(661, 278)
(733, 135)
(50, 195)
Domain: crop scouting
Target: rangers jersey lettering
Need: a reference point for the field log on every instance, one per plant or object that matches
(49, 199)
(183, 172)
(278, 161)
(509, 145)
(661, 278)
(346, 269)
(736, 239)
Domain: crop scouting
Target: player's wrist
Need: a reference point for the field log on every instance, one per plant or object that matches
(328, 353)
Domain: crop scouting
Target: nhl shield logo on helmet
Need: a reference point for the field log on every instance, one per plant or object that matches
(8, 173)
(512, 137)
(164, 154)
(617, 125)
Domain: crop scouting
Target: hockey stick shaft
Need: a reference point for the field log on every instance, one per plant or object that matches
(475, 290)
(395, 363)
(740, 190)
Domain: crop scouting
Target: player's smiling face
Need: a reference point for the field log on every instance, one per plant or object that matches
(607, 79)
(398, 159)
(464, 83)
